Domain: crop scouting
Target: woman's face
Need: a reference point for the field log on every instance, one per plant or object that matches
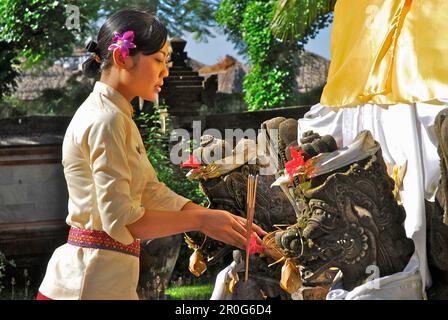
(149, 72)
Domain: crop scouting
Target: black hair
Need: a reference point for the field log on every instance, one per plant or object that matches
(150, 36)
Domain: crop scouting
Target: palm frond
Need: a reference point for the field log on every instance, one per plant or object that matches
(292, 18)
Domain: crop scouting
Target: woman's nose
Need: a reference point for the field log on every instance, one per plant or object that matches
(165, 72)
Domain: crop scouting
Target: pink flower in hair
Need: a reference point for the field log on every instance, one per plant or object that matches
(124, 43)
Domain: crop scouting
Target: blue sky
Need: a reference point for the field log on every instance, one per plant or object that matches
(216, 48)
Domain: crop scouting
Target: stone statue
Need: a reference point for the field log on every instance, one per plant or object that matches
(225, 187)
(437, 217)
(349, 218)
(441, 129)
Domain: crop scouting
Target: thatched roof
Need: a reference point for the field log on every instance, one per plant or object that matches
(312, 73)
(32, 82)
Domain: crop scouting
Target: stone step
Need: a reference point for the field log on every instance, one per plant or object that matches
(183, 83)
(181, 68)
(185, 87)
(182, 77)
(183, 73)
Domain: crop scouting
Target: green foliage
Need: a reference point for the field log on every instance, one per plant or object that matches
(157, 146)
(271, 81)
(35, 32)
(255, 29)
(200, 292)
(300, 20)
(38, 29)
(267, 88)
(195, 16)
(34, 28)
(4, 262)
(259, 26)
(230, 17)
(293, 20)
(8, 68)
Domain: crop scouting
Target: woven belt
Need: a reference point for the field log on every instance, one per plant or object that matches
(101, 240)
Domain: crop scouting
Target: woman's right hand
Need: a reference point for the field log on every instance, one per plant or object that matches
(223, 226)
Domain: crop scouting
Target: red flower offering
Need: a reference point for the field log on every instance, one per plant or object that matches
(298, 166)
(191, 162)
(296, 162)
(254, 247)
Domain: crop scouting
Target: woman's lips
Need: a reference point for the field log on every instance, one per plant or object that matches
(158, 89)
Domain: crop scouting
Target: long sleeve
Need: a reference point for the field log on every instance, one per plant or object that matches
(111, 175)
(157, 196)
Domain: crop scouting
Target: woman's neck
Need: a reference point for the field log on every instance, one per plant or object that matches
(114, 83)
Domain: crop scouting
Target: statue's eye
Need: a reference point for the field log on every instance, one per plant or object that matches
(332, 217)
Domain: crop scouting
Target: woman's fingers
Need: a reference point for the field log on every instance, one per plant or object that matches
(240, 240)
(239, 228)
(223, 226)
(241, 220)
(234, 239)
(259, 241)
(236, 235)
(255, 227)
(258, 229)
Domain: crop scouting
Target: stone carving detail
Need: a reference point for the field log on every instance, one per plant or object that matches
(347, 218)
(441, 128)
(350, 221)
(437, 217)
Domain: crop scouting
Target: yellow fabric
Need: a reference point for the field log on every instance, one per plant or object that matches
(387, 52)
(110, 183)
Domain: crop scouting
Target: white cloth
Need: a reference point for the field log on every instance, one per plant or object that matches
(110, 184)
(405, 133)
(219, 291)
(405, 285)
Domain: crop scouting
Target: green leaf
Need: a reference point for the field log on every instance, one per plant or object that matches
(305, 185)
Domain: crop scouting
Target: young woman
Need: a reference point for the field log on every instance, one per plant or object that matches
(115, 198)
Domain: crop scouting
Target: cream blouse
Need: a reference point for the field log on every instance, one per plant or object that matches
(110, 184)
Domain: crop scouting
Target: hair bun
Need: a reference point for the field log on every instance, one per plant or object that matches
(91, 46)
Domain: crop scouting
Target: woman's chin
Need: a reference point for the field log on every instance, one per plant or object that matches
(151, 97)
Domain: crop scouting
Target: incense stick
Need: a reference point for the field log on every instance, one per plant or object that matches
(250, 212)
(248, 227)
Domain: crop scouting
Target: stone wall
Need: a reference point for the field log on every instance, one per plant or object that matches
(32, 184)
(33, 192)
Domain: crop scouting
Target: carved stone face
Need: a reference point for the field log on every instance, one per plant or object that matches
(350, 221)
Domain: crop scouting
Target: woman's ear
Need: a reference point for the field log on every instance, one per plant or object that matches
(120, 62)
